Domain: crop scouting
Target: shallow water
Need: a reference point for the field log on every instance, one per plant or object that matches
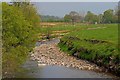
(32, 70)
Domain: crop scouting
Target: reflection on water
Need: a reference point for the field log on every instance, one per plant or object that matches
(49, 71)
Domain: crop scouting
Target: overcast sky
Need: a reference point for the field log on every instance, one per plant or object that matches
(62, 8)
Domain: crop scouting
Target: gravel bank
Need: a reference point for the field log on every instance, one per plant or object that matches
(50, 54)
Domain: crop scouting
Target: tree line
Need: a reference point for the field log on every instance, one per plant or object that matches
(19, 34)
(48, 18)
(108, 16)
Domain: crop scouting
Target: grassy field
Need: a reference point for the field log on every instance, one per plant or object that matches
(66, 26)
(58, 28)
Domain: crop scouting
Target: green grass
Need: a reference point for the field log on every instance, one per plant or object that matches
(66, 27)
(110, 33)
(98, 45)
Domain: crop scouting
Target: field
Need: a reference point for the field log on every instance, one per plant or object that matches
(95, 43)
(60, 29)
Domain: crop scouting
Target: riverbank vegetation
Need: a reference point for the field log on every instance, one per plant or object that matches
(98, 44)
(19, 34)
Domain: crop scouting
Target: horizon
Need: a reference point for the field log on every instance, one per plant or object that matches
(61, 8)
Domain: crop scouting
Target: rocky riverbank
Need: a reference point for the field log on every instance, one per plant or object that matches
(50, 54)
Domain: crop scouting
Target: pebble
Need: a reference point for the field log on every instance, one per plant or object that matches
(50, 54)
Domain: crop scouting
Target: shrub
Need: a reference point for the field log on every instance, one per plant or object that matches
(18, 37)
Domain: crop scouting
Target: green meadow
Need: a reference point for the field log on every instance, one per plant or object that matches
(96, 43)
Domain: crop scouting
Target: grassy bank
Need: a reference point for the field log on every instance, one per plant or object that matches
(97, 43)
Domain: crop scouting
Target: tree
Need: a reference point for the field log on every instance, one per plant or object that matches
(117, 9)
(18, 36)
(108, 16)
(30, 13)
(67, 18)
(91, 18)
(116, 13)
(75, 17)
(100, 18)
(48, 18)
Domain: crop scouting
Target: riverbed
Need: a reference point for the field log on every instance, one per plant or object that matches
(47, 61)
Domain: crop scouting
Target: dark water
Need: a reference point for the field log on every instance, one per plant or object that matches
(32, 70)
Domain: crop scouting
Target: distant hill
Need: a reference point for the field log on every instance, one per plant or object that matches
(48, 18)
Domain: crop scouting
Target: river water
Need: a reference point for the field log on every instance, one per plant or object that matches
(32, 70)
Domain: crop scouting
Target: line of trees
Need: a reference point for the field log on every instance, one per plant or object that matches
(109, 16)
(19, 34)
(48, 18)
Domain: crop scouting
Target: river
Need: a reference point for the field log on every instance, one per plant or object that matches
(32, 70)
